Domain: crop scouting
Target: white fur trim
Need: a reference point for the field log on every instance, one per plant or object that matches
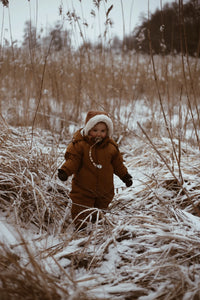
(97, 119)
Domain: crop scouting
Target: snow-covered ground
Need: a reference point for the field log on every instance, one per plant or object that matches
(146, 246)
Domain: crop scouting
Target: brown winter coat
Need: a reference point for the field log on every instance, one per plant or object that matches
(91, 186)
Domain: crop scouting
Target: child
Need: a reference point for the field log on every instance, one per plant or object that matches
(93, 157)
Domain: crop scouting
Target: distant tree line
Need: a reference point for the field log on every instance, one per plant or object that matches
(174, 29)
(57, 36)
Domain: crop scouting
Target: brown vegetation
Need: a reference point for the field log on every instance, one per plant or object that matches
(147, 244)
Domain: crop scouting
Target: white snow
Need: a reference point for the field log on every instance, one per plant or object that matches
(144, 244)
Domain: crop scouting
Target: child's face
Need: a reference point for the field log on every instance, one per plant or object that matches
(99, 130)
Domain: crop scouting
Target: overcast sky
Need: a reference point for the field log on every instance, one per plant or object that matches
(45, 13)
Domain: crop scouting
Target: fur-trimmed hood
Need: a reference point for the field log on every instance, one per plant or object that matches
(95, 117)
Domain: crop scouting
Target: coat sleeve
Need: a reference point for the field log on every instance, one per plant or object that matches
(73, 158)
(118, 166)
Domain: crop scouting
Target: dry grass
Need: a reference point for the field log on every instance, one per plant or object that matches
(145, 247)
(23, 170)
(75, 82)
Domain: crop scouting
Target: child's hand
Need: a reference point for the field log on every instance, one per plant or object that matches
(62, 175)
(127, 179)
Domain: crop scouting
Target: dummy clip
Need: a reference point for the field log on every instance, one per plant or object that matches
(98, 166)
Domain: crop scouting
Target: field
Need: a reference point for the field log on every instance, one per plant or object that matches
(146, 246)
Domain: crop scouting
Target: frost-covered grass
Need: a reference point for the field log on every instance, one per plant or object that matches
(146, 246)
